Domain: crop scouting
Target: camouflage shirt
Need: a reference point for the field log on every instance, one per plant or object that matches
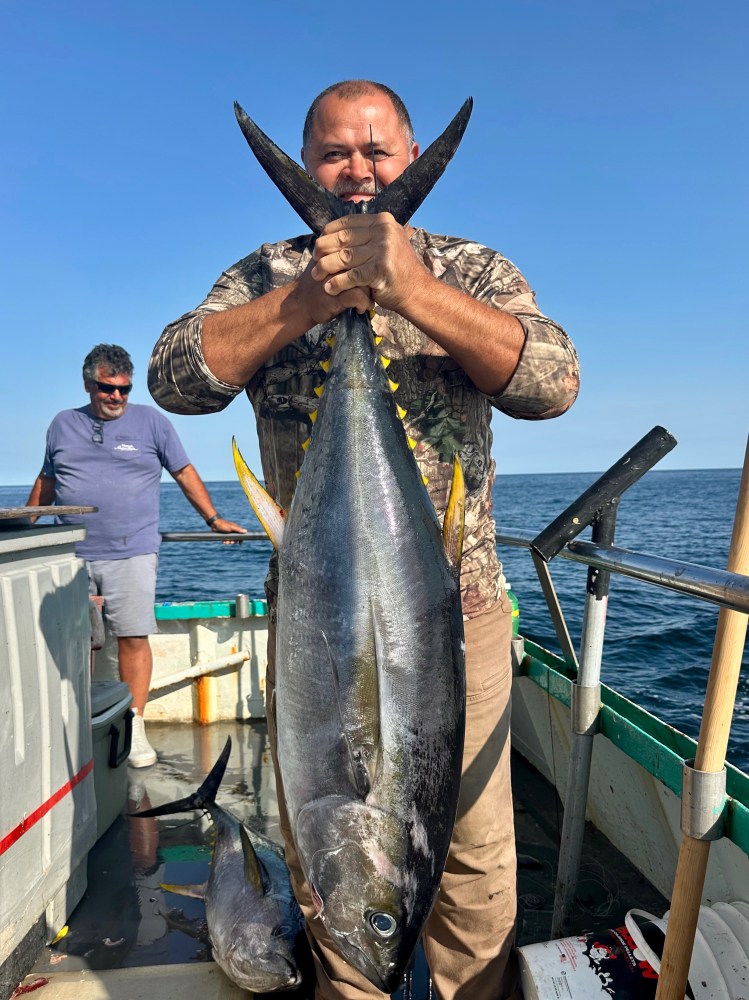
(446, 413)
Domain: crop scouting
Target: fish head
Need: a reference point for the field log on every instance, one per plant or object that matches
(255, 924)
(358, 862)
(261, 963)
(258, 941)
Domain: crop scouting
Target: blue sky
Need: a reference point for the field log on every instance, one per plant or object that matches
(607, 157)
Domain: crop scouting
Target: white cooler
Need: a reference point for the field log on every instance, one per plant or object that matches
(111, 730)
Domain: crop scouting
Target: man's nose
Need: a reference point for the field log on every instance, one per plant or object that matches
(359, 167)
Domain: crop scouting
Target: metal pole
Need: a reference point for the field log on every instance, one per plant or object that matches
(586, 700)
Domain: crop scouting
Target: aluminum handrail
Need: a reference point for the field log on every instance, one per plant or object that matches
(716, 586)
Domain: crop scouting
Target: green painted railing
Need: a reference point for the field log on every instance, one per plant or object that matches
(180, 611)
(657, 747)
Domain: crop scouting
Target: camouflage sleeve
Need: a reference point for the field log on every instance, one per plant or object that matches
(546, 381)
(178, 378)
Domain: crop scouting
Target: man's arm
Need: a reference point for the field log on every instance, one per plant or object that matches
(194, 488)
(238, 327)
(236, 342)
(42, 493)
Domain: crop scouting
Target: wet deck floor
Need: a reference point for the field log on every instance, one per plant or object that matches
(127, 919)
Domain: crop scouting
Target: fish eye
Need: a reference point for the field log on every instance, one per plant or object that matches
(383, 924)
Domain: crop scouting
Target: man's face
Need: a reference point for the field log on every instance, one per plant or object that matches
(339, 151)
(105, 403)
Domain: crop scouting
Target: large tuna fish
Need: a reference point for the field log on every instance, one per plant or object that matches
(255, 926)
(370, 682)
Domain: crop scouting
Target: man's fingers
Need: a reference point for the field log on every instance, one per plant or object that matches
(355, 277)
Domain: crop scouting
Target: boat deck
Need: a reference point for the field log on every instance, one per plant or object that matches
(127, 919)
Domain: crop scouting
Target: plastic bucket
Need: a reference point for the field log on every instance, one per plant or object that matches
(605, 964)
(624, 962)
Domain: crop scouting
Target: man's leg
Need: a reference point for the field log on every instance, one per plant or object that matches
(336, 979)
(135, 665)
(470, 933)
(129, 590)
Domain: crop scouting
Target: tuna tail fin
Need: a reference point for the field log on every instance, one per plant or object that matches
(404, 195)
(203, 798)
(454, 522)
(317, 207)
(270, 514)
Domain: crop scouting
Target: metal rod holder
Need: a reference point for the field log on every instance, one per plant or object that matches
(703, 802)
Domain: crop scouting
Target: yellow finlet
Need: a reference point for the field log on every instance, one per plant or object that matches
(325, 365)
(318, 390)
(400, 411)
(371, 313)
(411, 443)
(270, 514)
(425, 480)
(313, 416)
(305, 444)
(394, 386)
(453, 525)
(297, 474)
(384, 361)
(377, 339)
(330, 339)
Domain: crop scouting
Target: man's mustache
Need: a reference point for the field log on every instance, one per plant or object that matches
(344, 189)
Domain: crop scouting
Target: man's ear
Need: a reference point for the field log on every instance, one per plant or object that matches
(301, 154)
(414, 151)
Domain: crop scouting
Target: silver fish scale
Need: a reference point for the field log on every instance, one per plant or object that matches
(370, 694)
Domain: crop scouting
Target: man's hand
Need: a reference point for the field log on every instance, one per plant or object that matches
(223, 527)
(369, 253)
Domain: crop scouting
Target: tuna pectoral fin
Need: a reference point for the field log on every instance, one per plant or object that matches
(252, 873)
(193, 891)
(269, 513)
(452, 527)
(352, 738)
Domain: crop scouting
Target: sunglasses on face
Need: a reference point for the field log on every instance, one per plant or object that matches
(124, 390)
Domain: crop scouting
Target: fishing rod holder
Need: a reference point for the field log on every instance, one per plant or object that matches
(605, 492)
(585, 709)
(703, 802)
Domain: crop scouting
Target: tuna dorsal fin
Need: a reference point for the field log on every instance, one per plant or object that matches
(270, 514)
(317, 207)
(252, 872)
(452, 526)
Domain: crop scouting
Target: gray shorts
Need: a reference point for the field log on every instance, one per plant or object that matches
(128, 587)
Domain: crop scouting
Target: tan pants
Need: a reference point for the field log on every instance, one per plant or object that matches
(469, 936)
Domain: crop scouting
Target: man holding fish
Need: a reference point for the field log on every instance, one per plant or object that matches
(459, 330)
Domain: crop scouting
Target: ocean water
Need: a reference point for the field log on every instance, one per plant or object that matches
(658, 644)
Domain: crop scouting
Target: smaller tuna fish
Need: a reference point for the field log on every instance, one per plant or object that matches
(255, 926)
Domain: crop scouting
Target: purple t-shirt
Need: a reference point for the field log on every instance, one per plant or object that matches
(120, 476)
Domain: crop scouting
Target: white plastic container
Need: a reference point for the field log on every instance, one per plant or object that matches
(624, 962)
(111, 729)
(47, 806)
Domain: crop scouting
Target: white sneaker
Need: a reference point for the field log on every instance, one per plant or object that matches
(142, 754)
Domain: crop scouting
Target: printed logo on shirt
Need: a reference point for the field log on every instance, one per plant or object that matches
(125, 447)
